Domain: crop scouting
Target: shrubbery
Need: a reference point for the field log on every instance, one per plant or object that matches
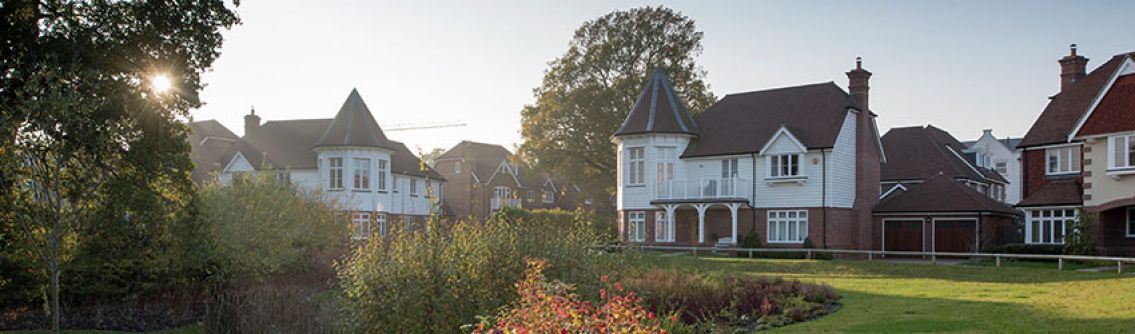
(442, 278)
(712, 302)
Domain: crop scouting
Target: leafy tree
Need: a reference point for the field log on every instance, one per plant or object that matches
(77, 110)
(430, 157)
(588, 91)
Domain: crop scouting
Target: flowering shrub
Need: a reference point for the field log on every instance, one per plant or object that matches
(553, 307)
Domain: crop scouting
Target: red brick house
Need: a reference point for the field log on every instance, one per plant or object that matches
(481, 178)
(1078, 157)
(935, 198)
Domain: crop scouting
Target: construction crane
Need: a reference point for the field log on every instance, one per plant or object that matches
(422, 125)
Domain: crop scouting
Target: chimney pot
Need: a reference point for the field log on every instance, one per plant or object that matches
(857, 80)
(251, 121)
(1073, 67)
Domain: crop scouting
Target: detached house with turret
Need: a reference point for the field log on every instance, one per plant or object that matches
(792, 164)
(347, 160)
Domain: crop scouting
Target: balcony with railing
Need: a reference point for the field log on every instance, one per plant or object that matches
(498, 202)
(703, 190)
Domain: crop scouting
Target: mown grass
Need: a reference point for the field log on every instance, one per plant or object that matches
(903, 298)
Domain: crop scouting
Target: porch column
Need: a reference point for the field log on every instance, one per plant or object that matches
(670, 219)
(701, 221)
(733, 210)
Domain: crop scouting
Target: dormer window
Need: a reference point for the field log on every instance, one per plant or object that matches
(784, 166)
(335, 173)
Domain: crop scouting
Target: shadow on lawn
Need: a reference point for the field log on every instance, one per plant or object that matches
(875, 313)
(870, 269)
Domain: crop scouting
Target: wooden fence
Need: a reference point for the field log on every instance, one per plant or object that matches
(872, 254)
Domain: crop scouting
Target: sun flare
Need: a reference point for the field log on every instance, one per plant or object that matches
(160, 83)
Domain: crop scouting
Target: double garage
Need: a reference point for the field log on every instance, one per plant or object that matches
(931, 234)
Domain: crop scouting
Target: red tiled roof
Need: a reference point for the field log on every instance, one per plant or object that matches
(1116, 112)
(940, 193)
(658, 110)
(743, 123)
(1065, 109)
(1056, 192)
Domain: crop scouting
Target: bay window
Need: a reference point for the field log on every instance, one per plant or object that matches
(1062, 160)
(362, 174)
(636, 223)
(636, 166)
(335, 173)
(1048, 226)
(1122, 149)
(787, 226)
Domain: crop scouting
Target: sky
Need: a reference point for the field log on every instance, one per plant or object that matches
(963, 66)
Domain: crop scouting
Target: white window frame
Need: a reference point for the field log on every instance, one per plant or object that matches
(549, 197)
(1130, 222)
(413, 187)
(1069, 153)
(380, 219)
(335, 173)
(776, 163)
(394, 183)
(636, 226)
(729, 169)
(794, 223)
(383, 167)
(457, 167)
(1048, 219)
(636, 166)
(663, 227)
(1117, 145)
(361, 222)
(1001, 168)
(361, 174)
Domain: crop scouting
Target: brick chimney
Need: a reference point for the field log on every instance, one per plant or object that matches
(857, 82)
(251, 122)
(1073, 67)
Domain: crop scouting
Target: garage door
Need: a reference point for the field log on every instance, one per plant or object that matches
(903, 235)
(955, 236)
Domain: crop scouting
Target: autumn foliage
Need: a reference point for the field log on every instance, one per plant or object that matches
(553, 307)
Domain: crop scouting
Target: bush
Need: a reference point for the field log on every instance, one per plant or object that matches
(734, 301)
(1079, 240)
(552, 307)
(441, 279)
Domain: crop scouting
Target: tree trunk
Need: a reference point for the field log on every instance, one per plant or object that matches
(55, 296)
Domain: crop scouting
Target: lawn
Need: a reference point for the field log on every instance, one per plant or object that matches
(183, 330)
(902, 298)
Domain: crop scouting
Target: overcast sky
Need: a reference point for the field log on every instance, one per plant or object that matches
(961, 65)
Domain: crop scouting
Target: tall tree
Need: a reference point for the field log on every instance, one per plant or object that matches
(77, 109)
(587, 93)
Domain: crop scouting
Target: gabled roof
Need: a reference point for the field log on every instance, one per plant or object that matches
(1055, 192)
(354, 125)
(287, 144)
(940, 193)
(921, 152)
(742, 123)
(658, 110)
(1066, 108)
(404, 162)
(481, 158)
(207, 154)
(1115, 112)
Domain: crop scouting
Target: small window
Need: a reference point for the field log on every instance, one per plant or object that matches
(1122, 152)
(382, 174)
(457, 167)
(360, 224)
(549, 197)
(335, 173)
(408, 223)
(729, 169)
(394, 183)
(636, 166)
(784, 165)
(381, 224)
(413, 187)
(531, 196)
(636, 220)
(1131, 222)
(1063, 160)
(1002, 168)
(662, 227)
(787, 226)
(362, 174)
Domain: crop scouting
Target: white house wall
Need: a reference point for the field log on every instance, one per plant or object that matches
(841, 166)
(638, 197)
(1011, 157)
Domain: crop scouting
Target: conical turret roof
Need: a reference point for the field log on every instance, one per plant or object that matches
(658, 110)
(354, 125)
